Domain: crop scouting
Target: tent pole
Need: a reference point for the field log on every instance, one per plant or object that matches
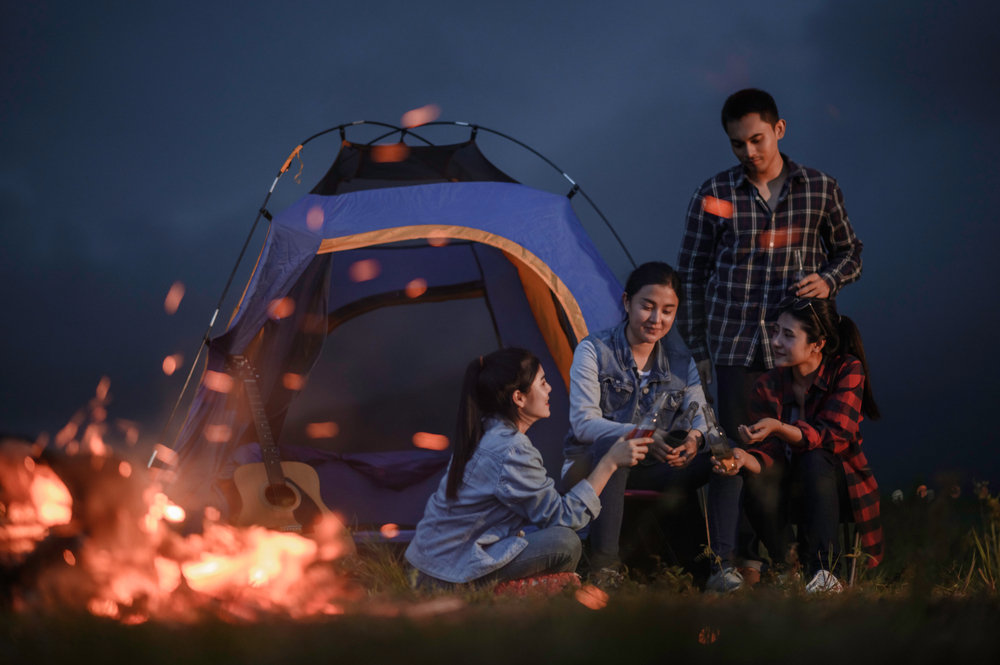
(225, 291)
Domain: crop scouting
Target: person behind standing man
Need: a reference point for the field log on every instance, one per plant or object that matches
(746, 229)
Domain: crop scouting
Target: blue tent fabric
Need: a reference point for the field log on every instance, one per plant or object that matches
(306, 265)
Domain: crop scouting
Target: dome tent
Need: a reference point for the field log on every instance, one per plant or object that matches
(442, 218)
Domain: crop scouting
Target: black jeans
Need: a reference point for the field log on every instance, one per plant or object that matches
(605, 531)
(735, 385)
(810, 491)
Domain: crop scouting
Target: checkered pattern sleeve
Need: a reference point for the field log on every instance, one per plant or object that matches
(835, 426)
(695, 264)
(843, 247)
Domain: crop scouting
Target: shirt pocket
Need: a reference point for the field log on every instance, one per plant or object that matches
(615, 395)
(675, 398)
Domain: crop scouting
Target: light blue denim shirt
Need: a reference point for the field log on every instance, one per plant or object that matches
(505, 490)
(606, 395)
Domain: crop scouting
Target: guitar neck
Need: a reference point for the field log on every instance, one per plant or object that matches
(269, 450)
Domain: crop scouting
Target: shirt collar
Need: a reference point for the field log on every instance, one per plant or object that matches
(821, 382)
(794, 171)
(661, 366)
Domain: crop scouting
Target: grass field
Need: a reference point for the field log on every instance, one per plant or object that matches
(933, 600)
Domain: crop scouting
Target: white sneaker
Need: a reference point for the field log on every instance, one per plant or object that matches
(826, 581)
(726, 580)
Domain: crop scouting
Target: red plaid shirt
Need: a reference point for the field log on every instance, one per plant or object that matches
(831, 421)
(737, 259)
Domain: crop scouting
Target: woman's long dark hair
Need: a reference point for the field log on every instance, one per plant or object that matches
(654, 272)
(821, 321)
(488, 390)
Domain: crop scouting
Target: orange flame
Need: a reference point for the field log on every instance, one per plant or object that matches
(592, 597)
(125, 469)
(322, 430)
(718, 207)
(421, 116)
(220, 382)
(429, 441)
(416, 288)
(393, 152)
(314, 218)
(363, 271)
(174, 297)
(389, 530)
(53, 504)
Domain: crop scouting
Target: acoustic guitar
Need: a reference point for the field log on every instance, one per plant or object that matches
(278, 495)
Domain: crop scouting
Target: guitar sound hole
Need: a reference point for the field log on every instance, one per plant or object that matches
(281, 496)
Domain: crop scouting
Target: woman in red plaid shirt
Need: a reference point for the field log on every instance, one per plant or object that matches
(805, 463)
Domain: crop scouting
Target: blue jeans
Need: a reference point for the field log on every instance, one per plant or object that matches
(723, 504)
(556, 549)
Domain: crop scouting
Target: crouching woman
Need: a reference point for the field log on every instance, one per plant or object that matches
(806, 465)
(473, 526)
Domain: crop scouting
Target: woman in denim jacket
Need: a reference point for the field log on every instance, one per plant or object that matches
(495, 486)
(616, 377)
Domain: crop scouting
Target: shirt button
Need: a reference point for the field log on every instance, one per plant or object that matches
(772, 245)
(645, 391)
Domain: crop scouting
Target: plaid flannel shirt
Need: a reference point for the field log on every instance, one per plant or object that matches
(737, 260)
(831, 421)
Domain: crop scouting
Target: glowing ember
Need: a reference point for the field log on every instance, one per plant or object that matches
(281, 308)
(592, 597)
(429, 441)
(393, 152)
(102, 388)
(708, 635)
(922, 491)
(437, 239)
(314, 218)
(165, 455)
(174, 296)
(173, 513)
(293, 381)
(103, 608)
(212, 514)
(172, 363)
(220, 382)
(416, 288)
(322, 430)
(389, 530)
(69, 558)
(717, 207)
(66, 434)
(218, 433)
(125, 469)
(363, 271)
(421, 116)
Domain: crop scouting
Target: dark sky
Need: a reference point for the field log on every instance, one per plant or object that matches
(136, 144)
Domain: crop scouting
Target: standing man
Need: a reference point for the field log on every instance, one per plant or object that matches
(745, 228)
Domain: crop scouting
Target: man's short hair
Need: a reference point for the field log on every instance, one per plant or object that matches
(747, 101)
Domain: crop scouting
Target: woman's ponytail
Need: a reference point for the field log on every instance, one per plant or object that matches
(851, 344)
(468, 430)
(487, 391)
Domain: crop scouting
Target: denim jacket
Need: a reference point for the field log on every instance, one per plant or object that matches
(504, 490)
(604, 395)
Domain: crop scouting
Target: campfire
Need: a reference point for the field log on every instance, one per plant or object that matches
(83, 529)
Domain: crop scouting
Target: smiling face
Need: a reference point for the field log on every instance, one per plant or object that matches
(790, 344)
(533, 405)
(651, 312)
(755, 142)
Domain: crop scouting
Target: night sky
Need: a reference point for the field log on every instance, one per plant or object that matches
(137, 143)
